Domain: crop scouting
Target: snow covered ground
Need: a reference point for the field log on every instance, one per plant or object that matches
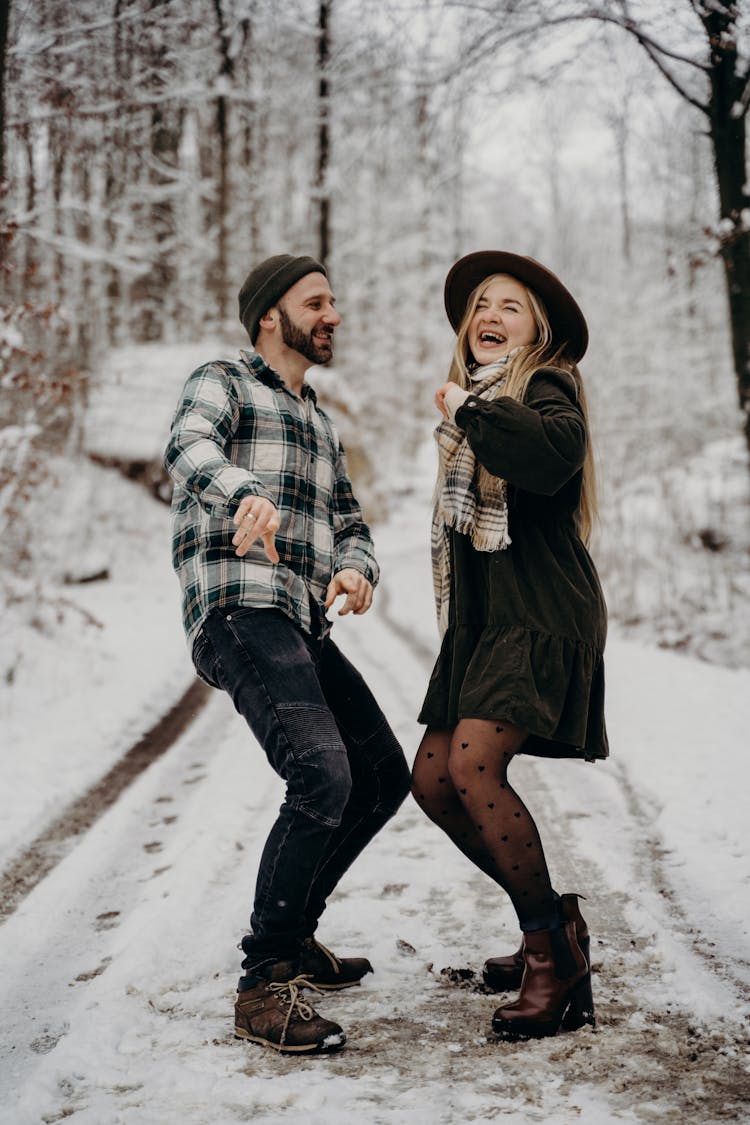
(117, 970)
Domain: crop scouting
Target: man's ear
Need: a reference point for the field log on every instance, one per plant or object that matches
(269, 319)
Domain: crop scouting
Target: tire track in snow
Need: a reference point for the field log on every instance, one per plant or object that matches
(133, 886)
(650, 851)
(55, 842)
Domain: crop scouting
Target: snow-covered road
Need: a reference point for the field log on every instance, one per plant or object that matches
(117, 971)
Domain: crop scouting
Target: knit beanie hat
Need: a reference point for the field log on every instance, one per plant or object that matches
(267, 282)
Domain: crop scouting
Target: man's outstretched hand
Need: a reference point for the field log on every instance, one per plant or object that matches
(356, 587)
(256, 518)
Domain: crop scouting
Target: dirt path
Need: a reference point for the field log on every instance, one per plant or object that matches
(117, 971)
(56, 841)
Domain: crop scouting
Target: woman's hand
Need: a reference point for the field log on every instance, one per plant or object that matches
(256, 518)
(440, 394)
(449, 397)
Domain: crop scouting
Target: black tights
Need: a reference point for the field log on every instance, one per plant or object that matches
(460, 780)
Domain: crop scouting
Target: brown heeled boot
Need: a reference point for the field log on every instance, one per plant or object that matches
(555, 990)
(503, 974)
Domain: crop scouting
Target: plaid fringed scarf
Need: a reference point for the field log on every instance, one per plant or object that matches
(467, 497)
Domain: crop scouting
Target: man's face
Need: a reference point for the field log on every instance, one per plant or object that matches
(308, 317)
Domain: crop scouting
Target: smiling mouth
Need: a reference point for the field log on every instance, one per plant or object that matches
(491, 339)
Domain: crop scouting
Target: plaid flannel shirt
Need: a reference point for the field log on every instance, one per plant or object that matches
(239, 431)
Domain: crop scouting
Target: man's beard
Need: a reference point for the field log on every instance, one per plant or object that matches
(302, 342)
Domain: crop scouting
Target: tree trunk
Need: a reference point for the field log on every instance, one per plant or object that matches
(226, 78)
(154, 292)
(60, 148)
(621, 133)
(250, 125)
(221, 268)
(728, 136)
(26, 248)
(324, 140)
(117, 175)
(424, 295)
(158, 283)
(4, 20)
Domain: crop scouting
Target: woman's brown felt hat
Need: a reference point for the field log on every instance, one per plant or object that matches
(566, 319)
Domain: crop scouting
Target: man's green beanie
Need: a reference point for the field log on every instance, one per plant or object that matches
(267, 282)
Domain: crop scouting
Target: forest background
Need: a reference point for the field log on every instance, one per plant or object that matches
(153, 150)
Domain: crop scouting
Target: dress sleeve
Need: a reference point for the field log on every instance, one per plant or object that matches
(536, 445)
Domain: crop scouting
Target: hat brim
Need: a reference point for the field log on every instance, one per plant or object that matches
(567, 322)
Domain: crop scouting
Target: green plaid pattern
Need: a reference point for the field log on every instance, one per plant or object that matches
(238, 431)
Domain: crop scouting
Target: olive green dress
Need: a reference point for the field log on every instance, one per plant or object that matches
(527, 624)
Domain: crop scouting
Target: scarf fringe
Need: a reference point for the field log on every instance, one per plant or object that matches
(468, 499)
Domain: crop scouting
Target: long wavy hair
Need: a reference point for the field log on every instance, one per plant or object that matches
(545, 351)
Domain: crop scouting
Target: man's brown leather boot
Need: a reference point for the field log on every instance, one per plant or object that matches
(272, 1012)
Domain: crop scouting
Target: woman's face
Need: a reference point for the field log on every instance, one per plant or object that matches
(503, 320)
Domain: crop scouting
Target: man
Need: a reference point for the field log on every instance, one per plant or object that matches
(267, 534)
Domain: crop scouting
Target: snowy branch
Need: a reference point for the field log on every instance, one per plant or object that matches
(656, 51)
(46, 44)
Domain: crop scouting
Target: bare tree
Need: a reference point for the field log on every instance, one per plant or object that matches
(4, 20)
(724, 104)
(624, 79)
(324, 139)
(706, 67)
(231, 41)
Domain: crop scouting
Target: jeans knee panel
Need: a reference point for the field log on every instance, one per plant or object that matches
(317, 769)
(308, 727)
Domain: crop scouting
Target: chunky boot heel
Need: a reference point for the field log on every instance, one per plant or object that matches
(556, 980)
(580, 1010)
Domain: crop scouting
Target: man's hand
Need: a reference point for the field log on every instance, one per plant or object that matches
(356, 587)
(256, 518)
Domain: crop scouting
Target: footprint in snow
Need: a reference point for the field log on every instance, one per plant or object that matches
(393, 890)
(48, 1040)
(107, 920)
(97, 972)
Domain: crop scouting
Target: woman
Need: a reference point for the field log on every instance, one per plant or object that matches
(519, 603)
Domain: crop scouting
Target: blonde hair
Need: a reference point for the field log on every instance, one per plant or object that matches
(543, 352)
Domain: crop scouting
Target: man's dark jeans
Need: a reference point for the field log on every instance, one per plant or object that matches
(325, 735)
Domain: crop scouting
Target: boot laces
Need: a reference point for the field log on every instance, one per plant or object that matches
(288, 993)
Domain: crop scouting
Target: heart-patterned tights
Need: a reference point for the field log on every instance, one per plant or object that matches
(460, 779)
